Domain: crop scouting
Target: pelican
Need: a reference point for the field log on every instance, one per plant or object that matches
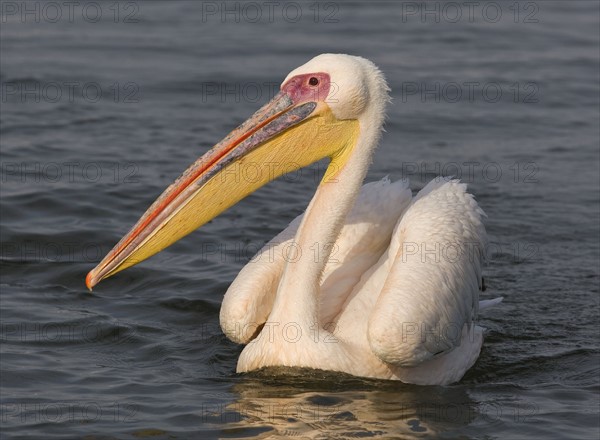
(368, 281)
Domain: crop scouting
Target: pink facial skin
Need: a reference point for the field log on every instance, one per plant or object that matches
(307, 87)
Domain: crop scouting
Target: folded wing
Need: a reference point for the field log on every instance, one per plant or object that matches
(430, 297)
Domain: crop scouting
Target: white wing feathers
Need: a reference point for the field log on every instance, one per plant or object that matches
(249, 300)
(432, 290)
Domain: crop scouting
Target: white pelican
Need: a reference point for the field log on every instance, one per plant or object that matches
(368, 281)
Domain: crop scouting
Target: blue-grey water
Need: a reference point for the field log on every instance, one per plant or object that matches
(104, 104)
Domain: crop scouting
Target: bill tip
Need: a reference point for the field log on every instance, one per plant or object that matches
(88, 281)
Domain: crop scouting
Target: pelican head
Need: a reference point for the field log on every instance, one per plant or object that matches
(323, 109)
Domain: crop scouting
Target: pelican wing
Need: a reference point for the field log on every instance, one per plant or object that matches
(431, 293)
(249, 299)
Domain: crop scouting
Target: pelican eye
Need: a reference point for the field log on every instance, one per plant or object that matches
(313, 81)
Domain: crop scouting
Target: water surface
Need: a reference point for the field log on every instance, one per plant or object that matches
(509, 104)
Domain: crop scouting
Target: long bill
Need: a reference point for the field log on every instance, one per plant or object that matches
(281, 137)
